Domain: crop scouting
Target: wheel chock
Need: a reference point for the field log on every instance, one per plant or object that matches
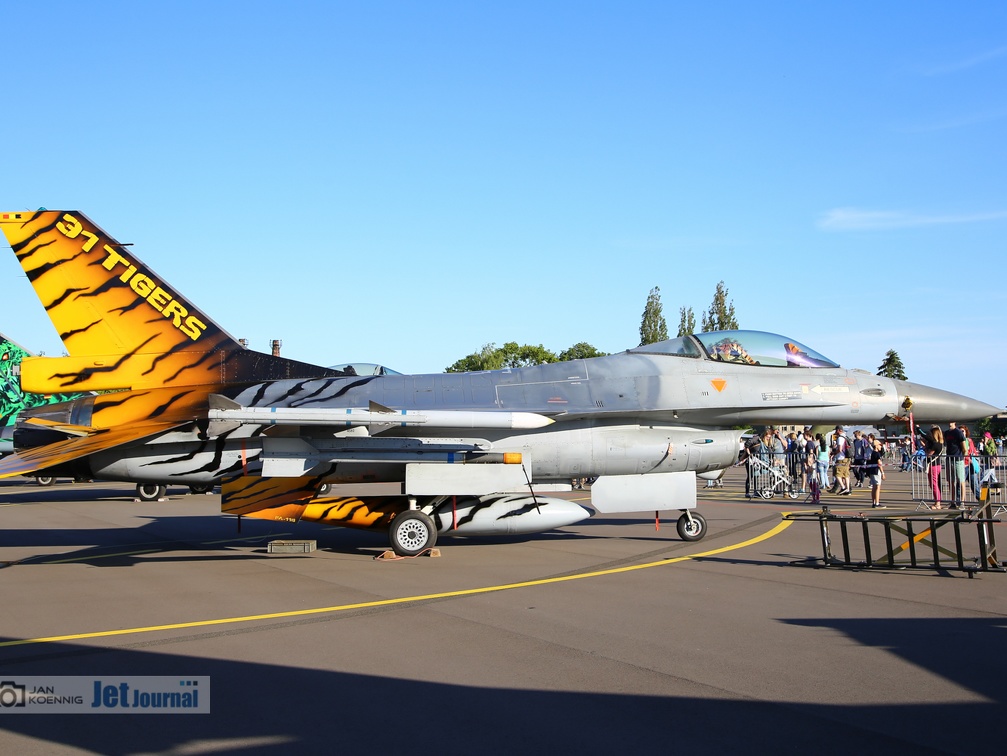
(391, 556)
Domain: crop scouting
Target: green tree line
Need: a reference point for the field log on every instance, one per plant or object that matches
(720, 316)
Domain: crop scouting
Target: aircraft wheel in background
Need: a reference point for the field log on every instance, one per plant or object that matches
(45, 480)
(411, 532)
(201, 488)
(324, 490)
(692, 529)
(150, 491)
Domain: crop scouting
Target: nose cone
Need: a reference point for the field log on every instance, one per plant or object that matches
(935, 405)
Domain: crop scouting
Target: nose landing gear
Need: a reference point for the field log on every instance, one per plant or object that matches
(691, 526)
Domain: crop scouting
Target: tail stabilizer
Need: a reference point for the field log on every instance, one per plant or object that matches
(122, 325)
(12, 399)
(28, 461)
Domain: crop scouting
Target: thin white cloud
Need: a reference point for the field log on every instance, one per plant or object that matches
(962, 65)
(857, 219)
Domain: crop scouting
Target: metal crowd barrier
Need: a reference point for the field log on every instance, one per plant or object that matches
(785, 473)
(983, 482)
(907, 533)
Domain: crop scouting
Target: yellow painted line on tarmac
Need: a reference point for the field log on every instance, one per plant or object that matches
(916, 539)
(403, 600)
(926, 537)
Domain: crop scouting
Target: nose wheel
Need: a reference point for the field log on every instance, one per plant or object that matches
(411, 532)
(691, 526)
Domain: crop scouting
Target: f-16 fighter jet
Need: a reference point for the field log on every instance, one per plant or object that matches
(416, 455)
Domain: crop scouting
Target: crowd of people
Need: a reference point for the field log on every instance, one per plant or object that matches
(860, 461)
(967, 463)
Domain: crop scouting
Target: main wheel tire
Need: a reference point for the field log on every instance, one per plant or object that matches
(201, 488)
(150, 491)
(45, 480)
(411, 532)
(324, 489)
(691, 529)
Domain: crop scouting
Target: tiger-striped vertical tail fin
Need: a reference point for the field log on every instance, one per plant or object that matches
(122, 325)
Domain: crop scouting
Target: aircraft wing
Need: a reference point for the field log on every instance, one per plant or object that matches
(38, 458)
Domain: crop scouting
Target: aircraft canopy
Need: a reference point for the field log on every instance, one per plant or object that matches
(760, 348)
(683, 346)
(364, 368)
(742, 347)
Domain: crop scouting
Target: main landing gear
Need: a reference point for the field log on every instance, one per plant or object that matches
(411, 533)
(691, 526)
(150, 491)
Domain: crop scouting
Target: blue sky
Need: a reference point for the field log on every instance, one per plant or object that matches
(405, 182)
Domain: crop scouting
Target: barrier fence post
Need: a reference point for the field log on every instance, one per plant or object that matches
(867, 544)
(958, 544)
(912, 542)
(933, 543)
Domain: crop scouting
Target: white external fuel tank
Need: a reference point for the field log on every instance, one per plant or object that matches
(505, 514)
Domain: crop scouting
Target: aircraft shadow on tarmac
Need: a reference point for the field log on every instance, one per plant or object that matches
(210, 534)
(127, 547)
(30, 493)
(177, 538)
(268, 708)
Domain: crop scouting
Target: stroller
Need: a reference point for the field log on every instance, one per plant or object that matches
(767, 479)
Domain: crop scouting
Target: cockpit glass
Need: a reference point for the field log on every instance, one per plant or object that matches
(760, 348)
(364, 368)
(680, 347)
